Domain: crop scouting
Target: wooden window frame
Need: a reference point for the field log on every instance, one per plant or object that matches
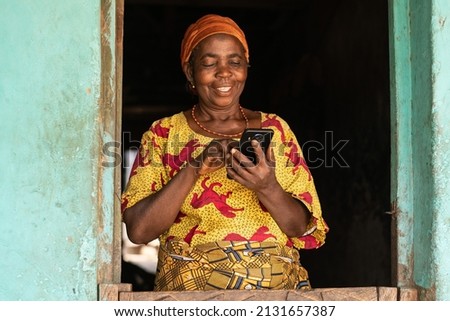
(109, 273)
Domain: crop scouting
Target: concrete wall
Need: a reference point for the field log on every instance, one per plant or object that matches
(439, 262)
(421, 144)
(57, 108)
(55, 215)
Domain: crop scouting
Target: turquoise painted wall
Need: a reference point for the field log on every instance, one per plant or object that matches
(420, 73)
(401, 145)
(430, 47)
(422, 131)
(440, 151)
(50, 68)
(57, 204)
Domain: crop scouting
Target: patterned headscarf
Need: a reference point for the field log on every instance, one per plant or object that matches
(208, 25)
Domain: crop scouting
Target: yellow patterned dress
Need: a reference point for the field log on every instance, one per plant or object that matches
(223, 237)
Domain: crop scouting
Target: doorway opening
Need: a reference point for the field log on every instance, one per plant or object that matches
(324, 67)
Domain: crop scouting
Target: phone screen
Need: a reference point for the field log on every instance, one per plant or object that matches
(262, 135)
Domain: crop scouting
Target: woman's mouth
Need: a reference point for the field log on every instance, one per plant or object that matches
(223, 89)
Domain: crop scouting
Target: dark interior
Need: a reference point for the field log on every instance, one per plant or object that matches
(321, 65)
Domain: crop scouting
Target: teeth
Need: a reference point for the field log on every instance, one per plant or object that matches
(223, 89)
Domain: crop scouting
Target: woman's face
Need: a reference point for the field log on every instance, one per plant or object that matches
(219, 70)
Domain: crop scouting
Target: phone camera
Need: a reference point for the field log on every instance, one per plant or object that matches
(258, 137)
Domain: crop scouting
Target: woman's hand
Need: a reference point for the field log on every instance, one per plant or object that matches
(255, 177)
(213, 156)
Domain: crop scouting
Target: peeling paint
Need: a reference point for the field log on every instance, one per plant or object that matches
(87, 251)
(108, 266)
(53, 56)
(69, 112)
(420, 70)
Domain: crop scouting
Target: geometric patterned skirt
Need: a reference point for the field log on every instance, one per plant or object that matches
(229, 265)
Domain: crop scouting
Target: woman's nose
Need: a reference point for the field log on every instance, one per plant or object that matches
(223, 71)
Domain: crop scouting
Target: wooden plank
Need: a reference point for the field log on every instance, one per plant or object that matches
(350, 294)
(334, 294)
(110, 292)
(256, 295)
(117, 225)
(312, 295)
(387, 293)
(408, 294)
(223, 295)
(325, 294)
(174, 296)
(127, 296)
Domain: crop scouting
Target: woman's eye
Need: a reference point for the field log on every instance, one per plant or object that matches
(208, 64)
(235, 63)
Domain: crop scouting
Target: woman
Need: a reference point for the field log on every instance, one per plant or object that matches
(222, 222)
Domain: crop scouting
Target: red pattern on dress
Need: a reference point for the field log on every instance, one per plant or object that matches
(274, 122)
(175, 162)
(306, 196)
(193, 231)
(209, 196)
(296, 159)
(159, 130)
(179, 217)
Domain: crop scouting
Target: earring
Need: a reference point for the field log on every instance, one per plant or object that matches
(193, 86)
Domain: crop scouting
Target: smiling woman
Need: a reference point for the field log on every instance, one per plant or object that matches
(222, 221)
(219, 79)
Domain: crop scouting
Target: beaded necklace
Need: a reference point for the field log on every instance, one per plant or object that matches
(216, 133)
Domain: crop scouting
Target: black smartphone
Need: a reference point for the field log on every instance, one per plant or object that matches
(262, 135)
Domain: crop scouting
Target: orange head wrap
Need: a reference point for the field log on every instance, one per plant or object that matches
(208, 25)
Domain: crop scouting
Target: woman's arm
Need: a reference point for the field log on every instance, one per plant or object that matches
(153, 215)
(291, 215)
